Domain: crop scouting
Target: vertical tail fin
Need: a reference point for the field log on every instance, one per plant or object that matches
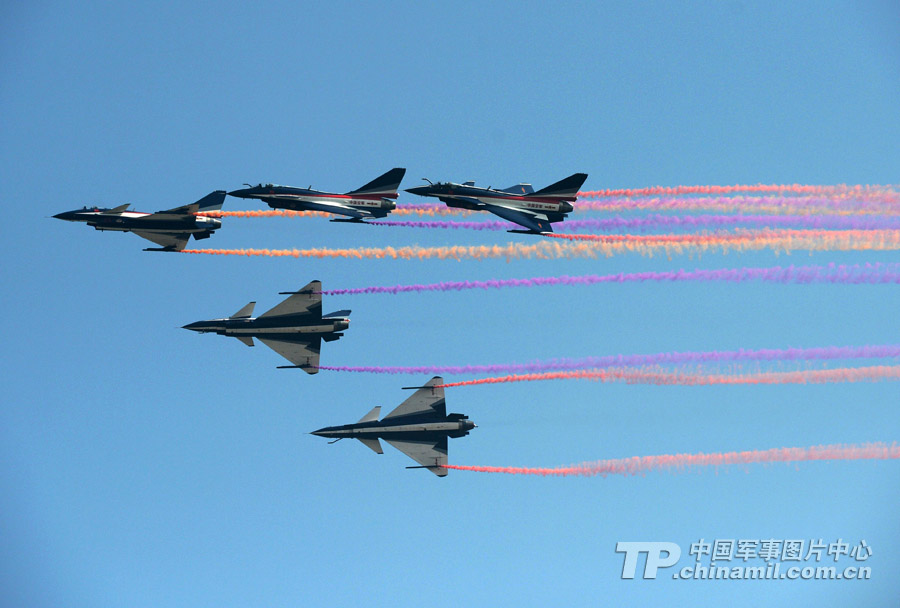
(385, 185)
(245, 312)
(566, 189)
(372, 415)
(212, 201)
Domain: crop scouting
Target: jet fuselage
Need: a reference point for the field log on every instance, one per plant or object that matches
(455, 425)
(270, 326)
(304, 199)
(126, 221)
(465, 196)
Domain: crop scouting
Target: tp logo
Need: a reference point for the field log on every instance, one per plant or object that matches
(655, 559)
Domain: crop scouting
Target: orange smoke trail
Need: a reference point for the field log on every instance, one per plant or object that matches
(873, 373)
(265, 213)
(608, 245)
(796, 189)
(540, 250)
(638, 465)
(778, 240)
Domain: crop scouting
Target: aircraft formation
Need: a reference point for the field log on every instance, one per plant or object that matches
(295, 328)
(172, 229)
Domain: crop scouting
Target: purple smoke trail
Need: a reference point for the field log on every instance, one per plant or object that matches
(886, 203)
(672, 358)
(657, 221)
(732, 221)
(832, 273)
(489, 225)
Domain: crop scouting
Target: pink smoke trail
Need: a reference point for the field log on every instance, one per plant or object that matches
(855, 274)
(265, 213)
(639, 465)
(826, 353)
(691, 222)
(888, 204)
(745, 240)
(537, 249)
(608, 245)
(781, 189)
(873, 373)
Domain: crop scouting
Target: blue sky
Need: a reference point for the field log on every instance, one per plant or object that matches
(144, 465)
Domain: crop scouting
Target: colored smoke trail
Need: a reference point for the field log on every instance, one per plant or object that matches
(855, 274)
(266, 213)
(796, 189)
(826, 353)
(777, 240)
(639, 465)
(401, 210)
(875, 202)
(657, 221)
(881, 203)
(510, 251)
(887, 205)
(608, 245)
(426, 209)
(487, 225)
(641, 376)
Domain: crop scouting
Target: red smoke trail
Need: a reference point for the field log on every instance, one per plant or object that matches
(641, 376)
(638, 465)
(796, 189)
(539, 249)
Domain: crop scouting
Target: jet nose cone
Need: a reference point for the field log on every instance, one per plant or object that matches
(67, 215)
(420, 190)
(196, 326)
(242, 193)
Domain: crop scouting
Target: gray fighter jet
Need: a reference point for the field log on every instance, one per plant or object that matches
(374, 200)
(294, 329)
(170, 229)
(535, 211)
(418, 427)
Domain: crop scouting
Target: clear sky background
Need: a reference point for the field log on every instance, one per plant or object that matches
(144, 465)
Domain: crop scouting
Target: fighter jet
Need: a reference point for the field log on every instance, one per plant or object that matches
(371, 201)
(519, 204)
(294, 329)
(418, 427)
(171, 229)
